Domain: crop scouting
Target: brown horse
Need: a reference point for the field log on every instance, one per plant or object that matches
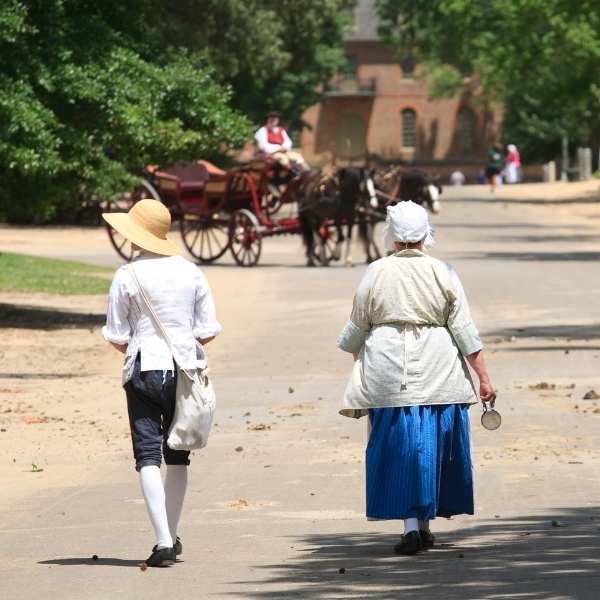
(398, 183)
(340, 198)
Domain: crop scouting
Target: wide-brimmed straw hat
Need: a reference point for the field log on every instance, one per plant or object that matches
(146, 225)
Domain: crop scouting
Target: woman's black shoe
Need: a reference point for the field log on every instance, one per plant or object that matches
(427, 539)
(409, 545)
(177, 546)
(162, 557)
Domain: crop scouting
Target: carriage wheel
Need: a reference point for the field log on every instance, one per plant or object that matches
(122, 203)
(326, 246)
(206, 238)
(245, 238)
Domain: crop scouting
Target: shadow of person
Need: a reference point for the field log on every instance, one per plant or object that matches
(537, 557)
(89, 561)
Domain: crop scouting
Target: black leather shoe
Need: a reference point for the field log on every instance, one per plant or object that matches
(177, 546)
(409, 545)
(163, 557)
(427, 539)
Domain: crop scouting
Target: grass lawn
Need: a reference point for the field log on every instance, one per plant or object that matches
(23, 273)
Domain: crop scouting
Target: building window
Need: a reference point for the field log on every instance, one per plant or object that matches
(465, 134)
(350, 67)
(409, 128)
(407, 64)
(350, 135)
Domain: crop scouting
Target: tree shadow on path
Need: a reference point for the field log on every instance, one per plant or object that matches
(567, 331)
(34, 317)
(526, 256)
(534, 557)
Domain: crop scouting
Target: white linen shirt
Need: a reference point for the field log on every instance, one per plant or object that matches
(181, 297)
(411, 327)
(262, 141)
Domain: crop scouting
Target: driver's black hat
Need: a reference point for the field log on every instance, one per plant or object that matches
(273, 113)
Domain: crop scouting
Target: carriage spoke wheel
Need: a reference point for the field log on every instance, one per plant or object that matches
(205, 237)
(326, 245)
(122, 203)
(245, 239)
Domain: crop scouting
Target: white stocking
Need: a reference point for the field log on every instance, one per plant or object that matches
(411, 525)
(154, 495)
(175, 486)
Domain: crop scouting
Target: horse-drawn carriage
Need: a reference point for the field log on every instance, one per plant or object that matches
(235, 210)
(219, 210)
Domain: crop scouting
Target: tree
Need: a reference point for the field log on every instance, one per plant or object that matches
(92, 91)
(274, 54)
(84, 103)
(540, 58)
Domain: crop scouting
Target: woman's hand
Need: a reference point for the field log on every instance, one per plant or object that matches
(486, 392)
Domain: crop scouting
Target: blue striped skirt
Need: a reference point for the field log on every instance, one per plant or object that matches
(418, 462)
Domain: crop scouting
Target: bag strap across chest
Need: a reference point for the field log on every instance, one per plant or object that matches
(154, 316)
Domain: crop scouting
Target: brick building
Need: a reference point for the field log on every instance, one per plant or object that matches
(379, 106)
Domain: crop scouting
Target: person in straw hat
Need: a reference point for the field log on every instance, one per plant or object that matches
(411, 335)
(182, 299)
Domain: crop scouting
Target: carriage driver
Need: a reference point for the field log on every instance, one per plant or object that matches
(273, 140)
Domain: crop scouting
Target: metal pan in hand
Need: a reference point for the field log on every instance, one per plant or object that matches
(490, 418)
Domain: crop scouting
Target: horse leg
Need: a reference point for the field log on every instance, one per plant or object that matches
(337, 252)
(348, 259)
(306, 228)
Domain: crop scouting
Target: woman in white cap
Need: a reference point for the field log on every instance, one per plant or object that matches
(411, 334)
(181, 298)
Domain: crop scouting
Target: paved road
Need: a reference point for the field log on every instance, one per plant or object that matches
(281, 517)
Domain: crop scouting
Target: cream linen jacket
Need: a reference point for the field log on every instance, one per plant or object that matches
(411, 327)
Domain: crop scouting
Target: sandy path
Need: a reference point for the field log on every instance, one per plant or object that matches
(279, 518)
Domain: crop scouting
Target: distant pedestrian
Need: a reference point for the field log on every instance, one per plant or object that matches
(457, 178)
(480, 178)
(494, 165)
(410, 332)
(513, 164)
(181, 298)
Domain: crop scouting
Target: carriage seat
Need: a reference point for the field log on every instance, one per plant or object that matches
(212, 169)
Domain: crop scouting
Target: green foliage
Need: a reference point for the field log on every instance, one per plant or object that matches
(21, 273)
(84, 103)
(540, 58)
(274, 54)
(90, 92)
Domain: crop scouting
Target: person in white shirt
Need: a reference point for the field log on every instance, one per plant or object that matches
(273, 140)
(182, 299)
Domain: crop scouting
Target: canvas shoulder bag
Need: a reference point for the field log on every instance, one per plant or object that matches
(195, 399)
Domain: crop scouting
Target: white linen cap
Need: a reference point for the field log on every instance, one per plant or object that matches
(407, 223)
